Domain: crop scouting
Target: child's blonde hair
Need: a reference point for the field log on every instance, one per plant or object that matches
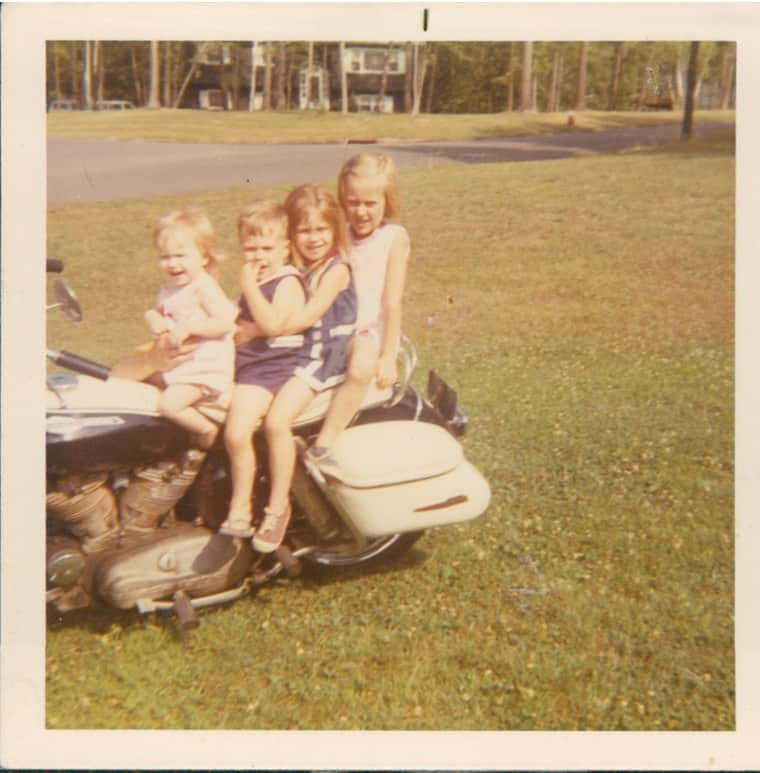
(306, 197)
(262, 217)
(371, 165)
(196, 222)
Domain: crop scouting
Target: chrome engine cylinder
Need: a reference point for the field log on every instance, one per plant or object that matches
(154, 491)
(86, 508)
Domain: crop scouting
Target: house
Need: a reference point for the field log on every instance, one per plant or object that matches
(375, 78)
(366, 66)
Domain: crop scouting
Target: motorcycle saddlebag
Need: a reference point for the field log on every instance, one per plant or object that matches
(400, 476)
(192, 559)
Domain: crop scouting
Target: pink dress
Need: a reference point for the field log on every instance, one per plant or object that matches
(213, 362)
(369, 261)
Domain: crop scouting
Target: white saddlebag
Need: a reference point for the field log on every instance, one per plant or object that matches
(400, 476)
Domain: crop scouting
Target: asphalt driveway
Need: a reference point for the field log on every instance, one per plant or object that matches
(101, 170)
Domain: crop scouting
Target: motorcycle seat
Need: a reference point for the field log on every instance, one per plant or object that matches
(316, 409)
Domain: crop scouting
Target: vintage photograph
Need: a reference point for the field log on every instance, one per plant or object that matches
(391, 382)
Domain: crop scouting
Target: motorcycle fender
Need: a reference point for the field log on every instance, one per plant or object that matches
(196, 560)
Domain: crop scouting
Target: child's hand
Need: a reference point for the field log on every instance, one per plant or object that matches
(249, 273)
(387, 371)
(156, 322)
(244, 332)
(178, 335)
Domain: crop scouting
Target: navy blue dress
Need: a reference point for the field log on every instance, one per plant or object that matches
(326, 342)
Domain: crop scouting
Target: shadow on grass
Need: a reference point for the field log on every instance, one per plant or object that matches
(720, 142)
(99, 620)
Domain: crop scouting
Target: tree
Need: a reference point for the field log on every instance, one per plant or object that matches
(343, 79)
(691, 85)
(580, 94)
(728, 65)
(418, 78)
(87, 75)
(617, 65)
(526, 80)
(154, 100)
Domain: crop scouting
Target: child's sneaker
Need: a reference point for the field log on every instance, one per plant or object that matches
(320, 457)
(270, 534)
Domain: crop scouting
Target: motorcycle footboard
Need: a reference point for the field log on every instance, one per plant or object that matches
(193, 561)
(401, 476)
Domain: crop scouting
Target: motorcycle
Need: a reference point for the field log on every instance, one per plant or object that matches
(133, 508)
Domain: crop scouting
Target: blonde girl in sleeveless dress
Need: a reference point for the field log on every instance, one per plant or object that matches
(379, 254)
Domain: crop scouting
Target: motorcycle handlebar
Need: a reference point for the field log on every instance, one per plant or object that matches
(79, 364)
(53, 265)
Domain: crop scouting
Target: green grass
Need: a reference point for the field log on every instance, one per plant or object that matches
(583, 309)
(303, 126)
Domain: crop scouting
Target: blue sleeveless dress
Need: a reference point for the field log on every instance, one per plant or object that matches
(325, 344)
(268, 362)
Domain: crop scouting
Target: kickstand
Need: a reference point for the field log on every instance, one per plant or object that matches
(183, 608)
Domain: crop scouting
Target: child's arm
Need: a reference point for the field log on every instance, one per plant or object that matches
(330, 284)
(220, 319)
(271, 318)
(393, 290)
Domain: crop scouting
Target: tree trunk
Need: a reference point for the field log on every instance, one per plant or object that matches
(431, 82)
(252, 92)
(343, 79)
(617, 66)
(57, 71)
(408, 83)
(551, 101)
(580, 95)
(154, 100)
(76, 86)
(136, 76)
(100, 70)
(168, 73)
(267, 75)
(87, 76)
(420, 68)
(691, 85)
(526, 80)
(384, 79)
(726, 79)
(281, 65)
(510, 79)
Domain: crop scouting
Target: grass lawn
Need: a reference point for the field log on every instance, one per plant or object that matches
(583, 309)
(303, 126)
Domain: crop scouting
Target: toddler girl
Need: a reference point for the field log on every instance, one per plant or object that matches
(317, 234)
(191, 305)
(379, 256)
(272, 292)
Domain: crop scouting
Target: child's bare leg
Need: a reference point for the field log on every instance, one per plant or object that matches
(288, 404)
(176, 403)
(362, 365)
(249, 405)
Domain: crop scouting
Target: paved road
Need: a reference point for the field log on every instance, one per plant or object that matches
(98, 170)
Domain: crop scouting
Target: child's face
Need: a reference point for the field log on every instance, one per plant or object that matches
(313, 237)
(268, 251)
(365, 204)
(180, 258)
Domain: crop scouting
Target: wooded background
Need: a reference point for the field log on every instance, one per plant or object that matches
(443, 77)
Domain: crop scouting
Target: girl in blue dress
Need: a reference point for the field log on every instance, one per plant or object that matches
(318, 238)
